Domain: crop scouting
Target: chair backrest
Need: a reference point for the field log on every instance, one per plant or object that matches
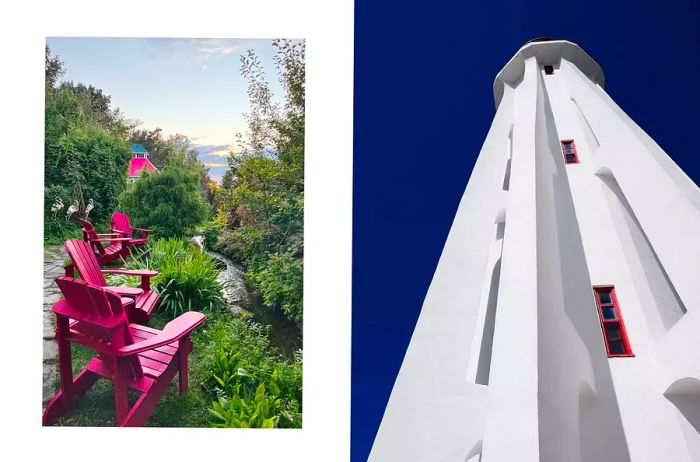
(90, 302)
(90, 235)
(84, 260)
(102, 319)
(120, 222)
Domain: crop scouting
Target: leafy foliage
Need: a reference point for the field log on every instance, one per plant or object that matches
(169, 201)
(262, 195)
(98, 160)
(79, 152)
(256, 386)
(280, 282)
(53, 70)
(260, 412)
(96, 108)
(187, 278)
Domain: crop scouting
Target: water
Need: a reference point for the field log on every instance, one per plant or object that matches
(231, 279)
(284, 334)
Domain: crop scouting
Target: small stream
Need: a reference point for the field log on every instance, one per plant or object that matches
(286, 335)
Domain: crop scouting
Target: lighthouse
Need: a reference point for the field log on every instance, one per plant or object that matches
(562, 323)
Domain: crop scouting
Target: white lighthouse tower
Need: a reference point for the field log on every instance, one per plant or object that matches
(563, 320)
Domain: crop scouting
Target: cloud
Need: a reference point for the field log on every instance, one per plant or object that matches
(208, 48)
(217, 150)
(203, 49)
(213, 156)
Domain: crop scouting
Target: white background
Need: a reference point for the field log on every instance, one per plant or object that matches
(328, 29)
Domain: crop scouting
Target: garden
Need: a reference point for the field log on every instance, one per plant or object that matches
(232, 251)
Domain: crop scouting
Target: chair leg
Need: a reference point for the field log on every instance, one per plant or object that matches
(121, 388)
(59, 403)
(65, 366)
(147, 402)
(183, 370)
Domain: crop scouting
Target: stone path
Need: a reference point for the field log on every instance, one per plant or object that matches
(54, 257)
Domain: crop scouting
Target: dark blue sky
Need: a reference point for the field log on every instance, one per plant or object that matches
(423, 105)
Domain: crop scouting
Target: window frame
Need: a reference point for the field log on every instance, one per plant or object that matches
(573, 146)
(597, 290)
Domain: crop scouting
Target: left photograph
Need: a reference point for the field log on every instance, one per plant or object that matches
(173, 232)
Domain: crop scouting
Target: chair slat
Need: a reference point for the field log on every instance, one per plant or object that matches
(84, 258)
(121, 222)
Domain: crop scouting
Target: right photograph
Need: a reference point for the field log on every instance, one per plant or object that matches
(537, 301)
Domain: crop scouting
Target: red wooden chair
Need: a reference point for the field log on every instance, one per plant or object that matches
(85, 262)
(122, 225)
(130, 355)
(118, 245)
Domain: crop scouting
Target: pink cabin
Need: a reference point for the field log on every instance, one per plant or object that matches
(140, 162)
(85, 262)
(129, 355)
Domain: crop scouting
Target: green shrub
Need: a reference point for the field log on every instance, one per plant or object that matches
(168, 201)
(280, 282)
(212, 232)
(187, 278)
(241, 362)
(245, 244)
(95, 158)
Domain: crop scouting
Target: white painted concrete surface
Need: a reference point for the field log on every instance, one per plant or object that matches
(507, 360)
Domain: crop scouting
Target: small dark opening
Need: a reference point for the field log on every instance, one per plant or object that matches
(549, 69)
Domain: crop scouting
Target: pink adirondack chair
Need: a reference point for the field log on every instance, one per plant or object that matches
(118, 245)
(122, 225)
(130, 355)
(84, 261)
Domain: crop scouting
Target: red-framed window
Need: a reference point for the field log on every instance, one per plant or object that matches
(616, 342)
(568, 148)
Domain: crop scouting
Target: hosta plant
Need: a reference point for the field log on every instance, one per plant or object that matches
(260, 412)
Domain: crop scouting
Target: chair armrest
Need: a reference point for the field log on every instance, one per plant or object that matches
(108, 235)
(146, 275)
(128, 272)
(111, 239)
(144, 232)
(174, 330)
(124, 291)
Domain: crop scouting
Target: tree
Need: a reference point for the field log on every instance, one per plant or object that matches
(261, 199)
(291, 69)
(169, 201)
(83, 142)
(97, 110)
(98, 160)
(53, 70)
